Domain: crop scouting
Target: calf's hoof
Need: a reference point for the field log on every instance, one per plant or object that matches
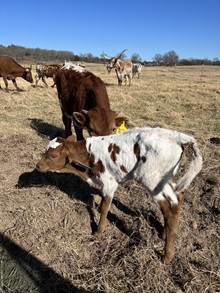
(98, 234)
(166, 259)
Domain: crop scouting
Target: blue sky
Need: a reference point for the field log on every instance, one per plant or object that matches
(191, 28)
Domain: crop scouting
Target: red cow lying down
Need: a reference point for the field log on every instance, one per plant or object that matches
(84, 102)
(149, 155)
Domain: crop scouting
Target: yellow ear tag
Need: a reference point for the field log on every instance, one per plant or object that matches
(121, 128)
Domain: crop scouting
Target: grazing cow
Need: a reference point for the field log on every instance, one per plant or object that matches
(149, 155)
(10, 69)
(136, 68)
(84, 101)
(46, 70)
(123, 68)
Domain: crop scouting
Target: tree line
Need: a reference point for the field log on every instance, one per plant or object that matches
(170, 58)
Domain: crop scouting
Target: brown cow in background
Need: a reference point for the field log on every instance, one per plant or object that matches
(84, 101)
(10, 70)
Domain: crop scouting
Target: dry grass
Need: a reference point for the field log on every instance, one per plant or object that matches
(46, 240)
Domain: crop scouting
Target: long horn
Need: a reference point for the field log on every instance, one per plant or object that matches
(119, 55)
(85, 112)
(106, 57)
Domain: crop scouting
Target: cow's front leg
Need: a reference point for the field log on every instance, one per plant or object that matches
(15, 84)
(105, 206)
(6, 83)
(44, 81)
(79, 133)
(67, 123)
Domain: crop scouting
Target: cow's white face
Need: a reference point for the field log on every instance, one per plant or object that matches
(112, 63)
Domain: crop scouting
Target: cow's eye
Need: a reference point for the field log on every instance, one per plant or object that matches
(114, 129)
(53, 156)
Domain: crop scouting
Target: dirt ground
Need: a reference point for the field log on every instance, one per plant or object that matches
(46, 222)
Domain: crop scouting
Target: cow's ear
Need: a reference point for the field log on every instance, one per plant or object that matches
(66, 150)
(80, 118)
(120, 119)
(71, 138)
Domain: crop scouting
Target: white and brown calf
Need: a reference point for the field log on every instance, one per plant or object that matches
(46, 70)
(149, 155)
(136, 69)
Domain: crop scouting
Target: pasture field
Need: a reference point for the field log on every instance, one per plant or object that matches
(45, 223)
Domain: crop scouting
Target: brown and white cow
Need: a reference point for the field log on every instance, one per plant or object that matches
(10, 70)
(71, 65)
(123, 68)
(46, 70)
(84, 101)
(151, 156)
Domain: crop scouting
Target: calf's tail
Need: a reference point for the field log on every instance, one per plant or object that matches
(193, 169)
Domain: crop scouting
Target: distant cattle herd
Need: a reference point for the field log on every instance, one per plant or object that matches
(149, 155)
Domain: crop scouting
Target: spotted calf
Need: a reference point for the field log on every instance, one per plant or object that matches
(46, 70)
(151, 156)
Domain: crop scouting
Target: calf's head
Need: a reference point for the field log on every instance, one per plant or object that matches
(98, 121)
(56, 156)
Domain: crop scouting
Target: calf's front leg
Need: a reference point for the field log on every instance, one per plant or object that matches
(105, 206)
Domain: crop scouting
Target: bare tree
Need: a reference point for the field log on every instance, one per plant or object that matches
(158, 58)
(170, 58)
(135, 58)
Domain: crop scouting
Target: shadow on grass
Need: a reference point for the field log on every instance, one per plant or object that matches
(76, 188)
(46, 129)
(70, 184)
(22, 272)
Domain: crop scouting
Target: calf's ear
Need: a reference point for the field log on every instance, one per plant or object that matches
(71, 138)
(66, 150)
(80, 118)
(119, 120)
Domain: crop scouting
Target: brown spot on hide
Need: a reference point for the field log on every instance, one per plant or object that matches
(110, 148)
(137, 151)
(143, 159)
(114, 152)
(98, 168)
(123, 169)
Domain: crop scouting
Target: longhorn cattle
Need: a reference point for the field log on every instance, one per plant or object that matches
(84, 101)
(151, 156)
(46, 70)
(71, 65)
(123, 68)
(10, 70)
(136, 68)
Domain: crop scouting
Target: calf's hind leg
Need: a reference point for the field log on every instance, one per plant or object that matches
(170, 213)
